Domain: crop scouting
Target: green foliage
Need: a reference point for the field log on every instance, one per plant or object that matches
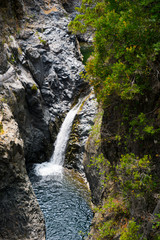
(44, 42)
(18, 31)
(116, 206)
(133, 180)
(141, 126)
(109, 227)
(131, 174)
(86, 50)
(157, 237)
(126, 43)
(95, 130)
(134, 175)
(12, 59)
(156, 226)
(156, 221)
(3, 42)
(1, 128)
(34, 88)
(98, 160)
(131, 231)
(107, 230)
(124, 67)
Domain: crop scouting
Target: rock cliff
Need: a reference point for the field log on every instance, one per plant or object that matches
(21, 217)
(40, 64)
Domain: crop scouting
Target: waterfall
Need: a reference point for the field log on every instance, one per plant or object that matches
(54, 166)
(63, 136)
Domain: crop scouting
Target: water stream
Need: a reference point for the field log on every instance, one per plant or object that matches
(62, 194)
(54, 166)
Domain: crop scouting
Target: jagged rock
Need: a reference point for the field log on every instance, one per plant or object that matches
(35, 65)
(80, 132)
(92, 150)
(3, 59)
(20, 215)
(39, 85)
(13, 46)
(25, 34)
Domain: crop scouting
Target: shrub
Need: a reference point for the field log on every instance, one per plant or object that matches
(131, 231)
(134, 175)
(1, 128)
(34, 88)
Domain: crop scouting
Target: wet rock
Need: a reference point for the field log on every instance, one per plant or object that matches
(80, 132)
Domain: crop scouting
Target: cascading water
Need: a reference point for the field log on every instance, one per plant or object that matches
(54, 166)
(63, 136)
(62, 193)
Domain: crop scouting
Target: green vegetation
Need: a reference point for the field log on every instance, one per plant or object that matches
(95, 131)
(34, 88)
(131, 232)
(86, 50)
(156, 227)
(3, 42)
(20, 51)
(12, 59)
(126, 42)
(131, 174)
(44, 42)
(141, 126)
(134, 176)
(124, 70)
(127, 182)
(1, 128)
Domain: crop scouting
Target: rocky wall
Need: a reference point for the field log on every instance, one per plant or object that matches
(20, 215)
(40, 63)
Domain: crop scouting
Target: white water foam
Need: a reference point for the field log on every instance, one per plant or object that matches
(55, 165)
(48, 168)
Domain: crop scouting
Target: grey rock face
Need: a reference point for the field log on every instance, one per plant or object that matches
(80, 132)
(53, 61)
(92, 150)
(35, 65)
(3, 59)
(20, 216)
(39, 81)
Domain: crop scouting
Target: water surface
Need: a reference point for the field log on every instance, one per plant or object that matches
(64, 200)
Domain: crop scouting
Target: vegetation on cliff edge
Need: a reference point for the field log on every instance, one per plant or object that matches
(124, 69)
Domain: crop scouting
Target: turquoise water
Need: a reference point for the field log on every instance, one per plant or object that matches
(64, 200)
